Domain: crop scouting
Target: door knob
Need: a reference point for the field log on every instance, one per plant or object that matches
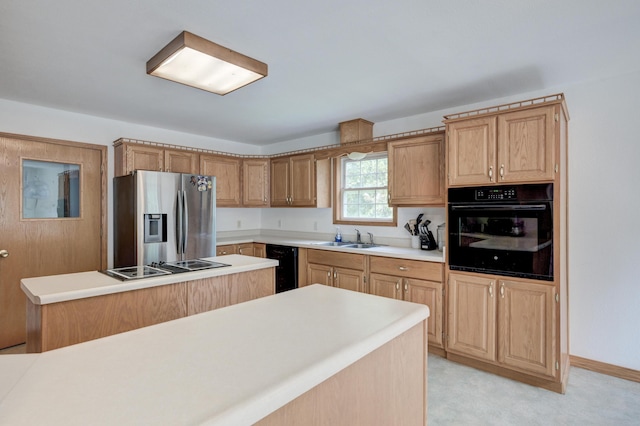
(4, 253)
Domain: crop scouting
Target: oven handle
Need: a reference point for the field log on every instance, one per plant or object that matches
(501, 207)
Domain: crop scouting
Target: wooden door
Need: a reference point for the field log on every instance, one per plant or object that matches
(227, 173)
(428, 293)
(246, 249)
(349, 279)
(255, 182)
(319, 274)
(226, 249)
(472, 151)
(472, 316)
(280, 181)
(385, 286)
(52, 245)
(178, 161)
(526, 145)
(416, 171)
(303, 181)
(526, 324)
(260, 250)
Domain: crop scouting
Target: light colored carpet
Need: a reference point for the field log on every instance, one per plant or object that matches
(460, 395)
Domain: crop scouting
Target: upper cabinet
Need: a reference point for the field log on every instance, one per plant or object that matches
(300, 181)
(255, 182)
(416, 171)
(178, 161)
(510, 147)
(134, 156)
(130, 156)
(226, 169)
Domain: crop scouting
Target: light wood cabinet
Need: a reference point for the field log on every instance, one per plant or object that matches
(226, 169)
(179, 161)
(246, 249)
(509, 323)
(130, 156)
(416, 171)
(300, 181)
(413, 281)
(337, 269)
(255, 182)
(518, 146)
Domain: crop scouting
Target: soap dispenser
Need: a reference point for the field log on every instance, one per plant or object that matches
(338, 235)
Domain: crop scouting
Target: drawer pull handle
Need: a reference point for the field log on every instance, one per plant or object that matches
(403, 268)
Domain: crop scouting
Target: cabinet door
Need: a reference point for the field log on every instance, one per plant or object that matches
(349, 279)
(226, 249)
(280, 179)
(255, 182)
(144, 157)
(428, 293)
(385, 286)
(259, 250)
(527, 321)
(319, 274)
(416, 171)
(177, 161)
(303, 181)
(526, 149)
(472, 316)
(246, 249)
(227, 173)
(472, 156)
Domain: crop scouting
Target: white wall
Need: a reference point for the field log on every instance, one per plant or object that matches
(604, 202)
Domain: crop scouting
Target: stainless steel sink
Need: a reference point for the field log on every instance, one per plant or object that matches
(362, 245)
(334, 244)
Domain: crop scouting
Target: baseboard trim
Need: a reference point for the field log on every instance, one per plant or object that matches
(604, 368)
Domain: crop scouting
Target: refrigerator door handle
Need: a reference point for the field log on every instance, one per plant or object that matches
(179, 220)
(185, 222)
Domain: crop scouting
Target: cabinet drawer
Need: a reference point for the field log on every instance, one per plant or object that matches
(337, 259)
(431, 271)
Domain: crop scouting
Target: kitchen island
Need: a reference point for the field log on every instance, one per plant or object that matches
(72, 308)
(315, 355)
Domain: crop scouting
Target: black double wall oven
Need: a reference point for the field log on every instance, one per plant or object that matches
(502, 230)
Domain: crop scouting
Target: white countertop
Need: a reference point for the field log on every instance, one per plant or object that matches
(385, 251)
(60, 288)
(231, 366)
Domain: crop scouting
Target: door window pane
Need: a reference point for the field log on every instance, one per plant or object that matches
(50, 190)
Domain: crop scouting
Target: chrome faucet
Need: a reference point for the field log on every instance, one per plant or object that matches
(370, 237)
(358, 239)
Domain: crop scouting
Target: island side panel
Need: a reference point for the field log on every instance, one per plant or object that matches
(76, 321)
(217, 292)
(386, 387)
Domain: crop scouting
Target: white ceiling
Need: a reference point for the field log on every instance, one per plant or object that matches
(329, 60)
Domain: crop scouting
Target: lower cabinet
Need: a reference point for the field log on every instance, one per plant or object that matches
(413, 281)
(247, 249)
(507, 322)
(342, 270)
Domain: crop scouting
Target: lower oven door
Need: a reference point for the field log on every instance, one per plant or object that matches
(512, 239)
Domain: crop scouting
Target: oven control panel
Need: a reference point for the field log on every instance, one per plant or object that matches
(483, 194)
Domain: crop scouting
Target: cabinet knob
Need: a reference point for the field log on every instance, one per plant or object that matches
(502, 171)
(4, 253)
(403, 268)
(502, 290)
(491, 290)
(491, 173)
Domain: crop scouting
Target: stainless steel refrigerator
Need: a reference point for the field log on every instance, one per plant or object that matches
(163, 217)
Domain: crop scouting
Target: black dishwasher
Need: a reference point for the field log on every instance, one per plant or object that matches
(287, 269)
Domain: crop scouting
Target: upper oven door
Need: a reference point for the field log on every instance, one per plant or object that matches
(503, 237)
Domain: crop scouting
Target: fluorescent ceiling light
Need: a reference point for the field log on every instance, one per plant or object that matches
(198, 62)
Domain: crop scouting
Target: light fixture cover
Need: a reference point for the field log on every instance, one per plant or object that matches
(197, 62)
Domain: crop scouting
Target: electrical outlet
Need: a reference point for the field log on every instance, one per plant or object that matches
(315, 226)
(279, 223)
(239, 224)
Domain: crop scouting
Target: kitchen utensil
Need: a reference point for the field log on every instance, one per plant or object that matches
(408, 228)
